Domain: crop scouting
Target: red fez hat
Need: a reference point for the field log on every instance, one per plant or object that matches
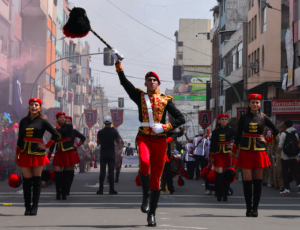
(254, 96)
(222, 115)
(69, 117)
(35, 100)
(152, 74)
(14, 181)
(59, 114)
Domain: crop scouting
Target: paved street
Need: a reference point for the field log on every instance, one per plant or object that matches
(189, 208)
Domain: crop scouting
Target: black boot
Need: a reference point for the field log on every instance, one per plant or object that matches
(145, 182)
(117, 176)
(70, 177)
(247, 186)
(257, 187)
(27, 183)
(225, 190)
(37, 185)
(65, 185)
(153, 205)
(58, 184)
(218, 186)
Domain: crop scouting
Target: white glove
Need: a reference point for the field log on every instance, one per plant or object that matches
(114, 53)
(157, 128)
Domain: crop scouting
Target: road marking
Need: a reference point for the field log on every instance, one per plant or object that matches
(164, 218)
(95, 186)
(181, 227)
(161, 204)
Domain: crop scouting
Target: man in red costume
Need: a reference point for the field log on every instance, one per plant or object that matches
(151, 140)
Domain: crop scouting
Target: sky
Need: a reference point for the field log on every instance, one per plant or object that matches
(143, 48)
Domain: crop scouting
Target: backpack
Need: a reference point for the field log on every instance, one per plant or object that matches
(290, 146)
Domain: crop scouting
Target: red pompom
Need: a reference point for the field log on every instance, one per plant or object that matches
(204, 172)
(138, 181)
(52, 176)
(212, 176)
(169, 139)
(180, 181)
(229, 175)
(14, 181)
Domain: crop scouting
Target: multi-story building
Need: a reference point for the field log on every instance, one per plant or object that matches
(267, 58)
(193, 54)
(11, 63)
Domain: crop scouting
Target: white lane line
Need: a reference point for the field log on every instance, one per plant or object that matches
(181, 227)
(164, 218)
(162, 204)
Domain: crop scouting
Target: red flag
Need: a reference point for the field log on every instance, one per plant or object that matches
(90, 117)
(240, 111)
(51, 113)
(117, 117)
(204, 118)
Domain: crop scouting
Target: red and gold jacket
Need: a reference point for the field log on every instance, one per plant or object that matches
(160, 104)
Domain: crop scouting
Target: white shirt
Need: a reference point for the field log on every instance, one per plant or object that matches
(187, 151)
(201, 144)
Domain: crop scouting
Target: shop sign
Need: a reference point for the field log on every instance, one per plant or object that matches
(285, 106)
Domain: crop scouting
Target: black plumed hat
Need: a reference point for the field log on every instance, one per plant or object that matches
(78, 24)
(229, 175)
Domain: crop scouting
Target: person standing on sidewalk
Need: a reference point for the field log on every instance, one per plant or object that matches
(107, 137)
(151, 139)
(277, 155)
(288, 142)
(128, 152)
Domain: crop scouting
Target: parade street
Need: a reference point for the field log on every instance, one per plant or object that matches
(189, 208)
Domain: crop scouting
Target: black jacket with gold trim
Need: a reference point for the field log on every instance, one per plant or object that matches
(253, 124)
(31, 133)
(65, 141)
(220, 139)
(75, 134)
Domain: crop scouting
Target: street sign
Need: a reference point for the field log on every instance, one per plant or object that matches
(121, 102)
(108, 60)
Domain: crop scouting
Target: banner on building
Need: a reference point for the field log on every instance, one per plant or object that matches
(204, 118)
(51, 115)
(117, 117)
(289, 41)
(191, 84)
(17, 95)
(286, 106)
(189, 98)
(240, 111)
(90, 117)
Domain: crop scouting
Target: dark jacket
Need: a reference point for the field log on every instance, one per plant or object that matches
(221, 137)
(251, 123)
(65, 141)
(31, 132)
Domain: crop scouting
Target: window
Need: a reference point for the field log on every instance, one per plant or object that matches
(180, 56)
(249, 8)
(264, 20)
(249, 62)
(263, 57)
(180, 43)
(255, 27)
(240, 55)
(53, 39)
(221, 62)
(257, 61)
(233, 59)
(252, 29)
(49, 34)
(48, 81)
(249, 28)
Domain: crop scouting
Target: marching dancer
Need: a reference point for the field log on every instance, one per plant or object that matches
(65, 156)
(69, 170)
(151, 138)
(30, 152)
(253, 157)
(220, 148)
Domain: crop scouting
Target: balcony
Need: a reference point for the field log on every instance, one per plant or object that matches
(34, 8)
(78, 89)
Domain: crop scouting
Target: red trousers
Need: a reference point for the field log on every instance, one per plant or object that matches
(152, 155)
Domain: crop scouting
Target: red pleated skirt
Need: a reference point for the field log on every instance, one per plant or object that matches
(222, 160)
(27, 160)
(253, 159)
(66, 158)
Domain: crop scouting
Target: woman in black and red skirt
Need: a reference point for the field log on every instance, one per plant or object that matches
(253, 157)
(65, 156)
(220, 149)
(30, 152)
(69, 170)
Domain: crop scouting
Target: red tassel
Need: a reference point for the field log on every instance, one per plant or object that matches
(180, 181)
(212, 176)
(138, 181)
(184, 173)
(169, 139)
(68, 34)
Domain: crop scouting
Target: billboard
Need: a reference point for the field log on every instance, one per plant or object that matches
(191, 84)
